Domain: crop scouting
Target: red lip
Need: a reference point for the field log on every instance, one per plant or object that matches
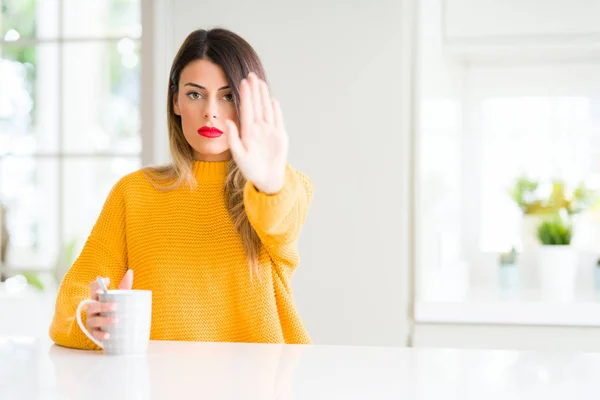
(210, 132)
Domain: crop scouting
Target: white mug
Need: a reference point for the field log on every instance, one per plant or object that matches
(131, 334)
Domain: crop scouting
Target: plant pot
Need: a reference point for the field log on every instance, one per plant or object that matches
(557, 266)
(528, 231)
(509, 277)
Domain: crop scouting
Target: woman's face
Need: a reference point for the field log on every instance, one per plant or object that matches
(204, 102)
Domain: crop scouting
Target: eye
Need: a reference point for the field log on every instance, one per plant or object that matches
(194, 95)
(228, 97)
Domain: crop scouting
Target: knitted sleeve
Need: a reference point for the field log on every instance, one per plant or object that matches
(105, 254)
(278, 218)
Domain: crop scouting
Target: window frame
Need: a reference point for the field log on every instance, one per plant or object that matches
(147, 105)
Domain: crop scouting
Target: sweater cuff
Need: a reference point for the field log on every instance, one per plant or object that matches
(261, 206)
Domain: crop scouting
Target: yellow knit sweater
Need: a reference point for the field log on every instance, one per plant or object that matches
(183, 246)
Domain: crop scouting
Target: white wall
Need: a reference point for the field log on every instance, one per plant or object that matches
(519, 30)
(339, 71)
(520, 18)
(440, 141)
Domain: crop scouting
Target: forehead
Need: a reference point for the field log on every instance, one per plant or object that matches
(204, 73)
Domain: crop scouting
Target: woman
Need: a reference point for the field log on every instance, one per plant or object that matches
(213, 235)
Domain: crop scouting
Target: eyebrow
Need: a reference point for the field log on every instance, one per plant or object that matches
(202, 87)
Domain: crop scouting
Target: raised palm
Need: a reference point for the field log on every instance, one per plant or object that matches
(260, 149)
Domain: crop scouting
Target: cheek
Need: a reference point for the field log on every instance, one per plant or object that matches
(189, 113)
(230, 113)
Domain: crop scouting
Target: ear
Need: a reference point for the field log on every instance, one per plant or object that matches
(176, 105)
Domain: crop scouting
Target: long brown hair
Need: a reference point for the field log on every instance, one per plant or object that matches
(238, 59)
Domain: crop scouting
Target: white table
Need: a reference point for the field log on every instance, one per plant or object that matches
(31, 369)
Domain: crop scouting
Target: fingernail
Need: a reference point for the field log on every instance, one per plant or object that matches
(106, 336)
(113, 307)
(115, 320)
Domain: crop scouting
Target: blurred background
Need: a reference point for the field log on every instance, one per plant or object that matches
(69, 127)
(454, 146)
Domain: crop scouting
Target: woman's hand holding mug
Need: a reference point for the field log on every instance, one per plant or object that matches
(95, 321)
(118, 321)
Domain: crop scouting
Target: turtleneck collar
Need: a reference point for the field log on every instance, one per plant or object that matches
(210, 171)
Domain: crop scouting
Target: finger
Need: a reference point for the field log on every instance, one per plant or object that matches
(235, 143)
(278, 116)
(97, 308)
(256, 97)
(100, 335)
(94, 289)
(99, 322)
(246, 108)
(127, 281)
(267, 105)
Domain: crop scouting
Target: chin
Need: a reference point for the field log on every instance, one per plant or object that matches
(210, 150)
(210, 147)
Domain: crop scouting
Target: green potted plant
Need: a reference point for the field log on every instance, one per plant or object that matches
(537, 207)
(525, 193)
(557, 260)
(509, 270)
(573, 201)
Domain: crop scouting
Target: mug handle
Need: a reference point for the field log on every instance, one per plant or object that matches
(82, 325)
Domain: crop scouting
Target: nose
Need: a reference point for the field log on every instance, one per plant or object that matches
(210, 111)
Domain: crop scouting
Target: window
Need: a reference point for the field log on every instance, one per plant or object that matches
(544, 138)
(477, 135)
(69, 120)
